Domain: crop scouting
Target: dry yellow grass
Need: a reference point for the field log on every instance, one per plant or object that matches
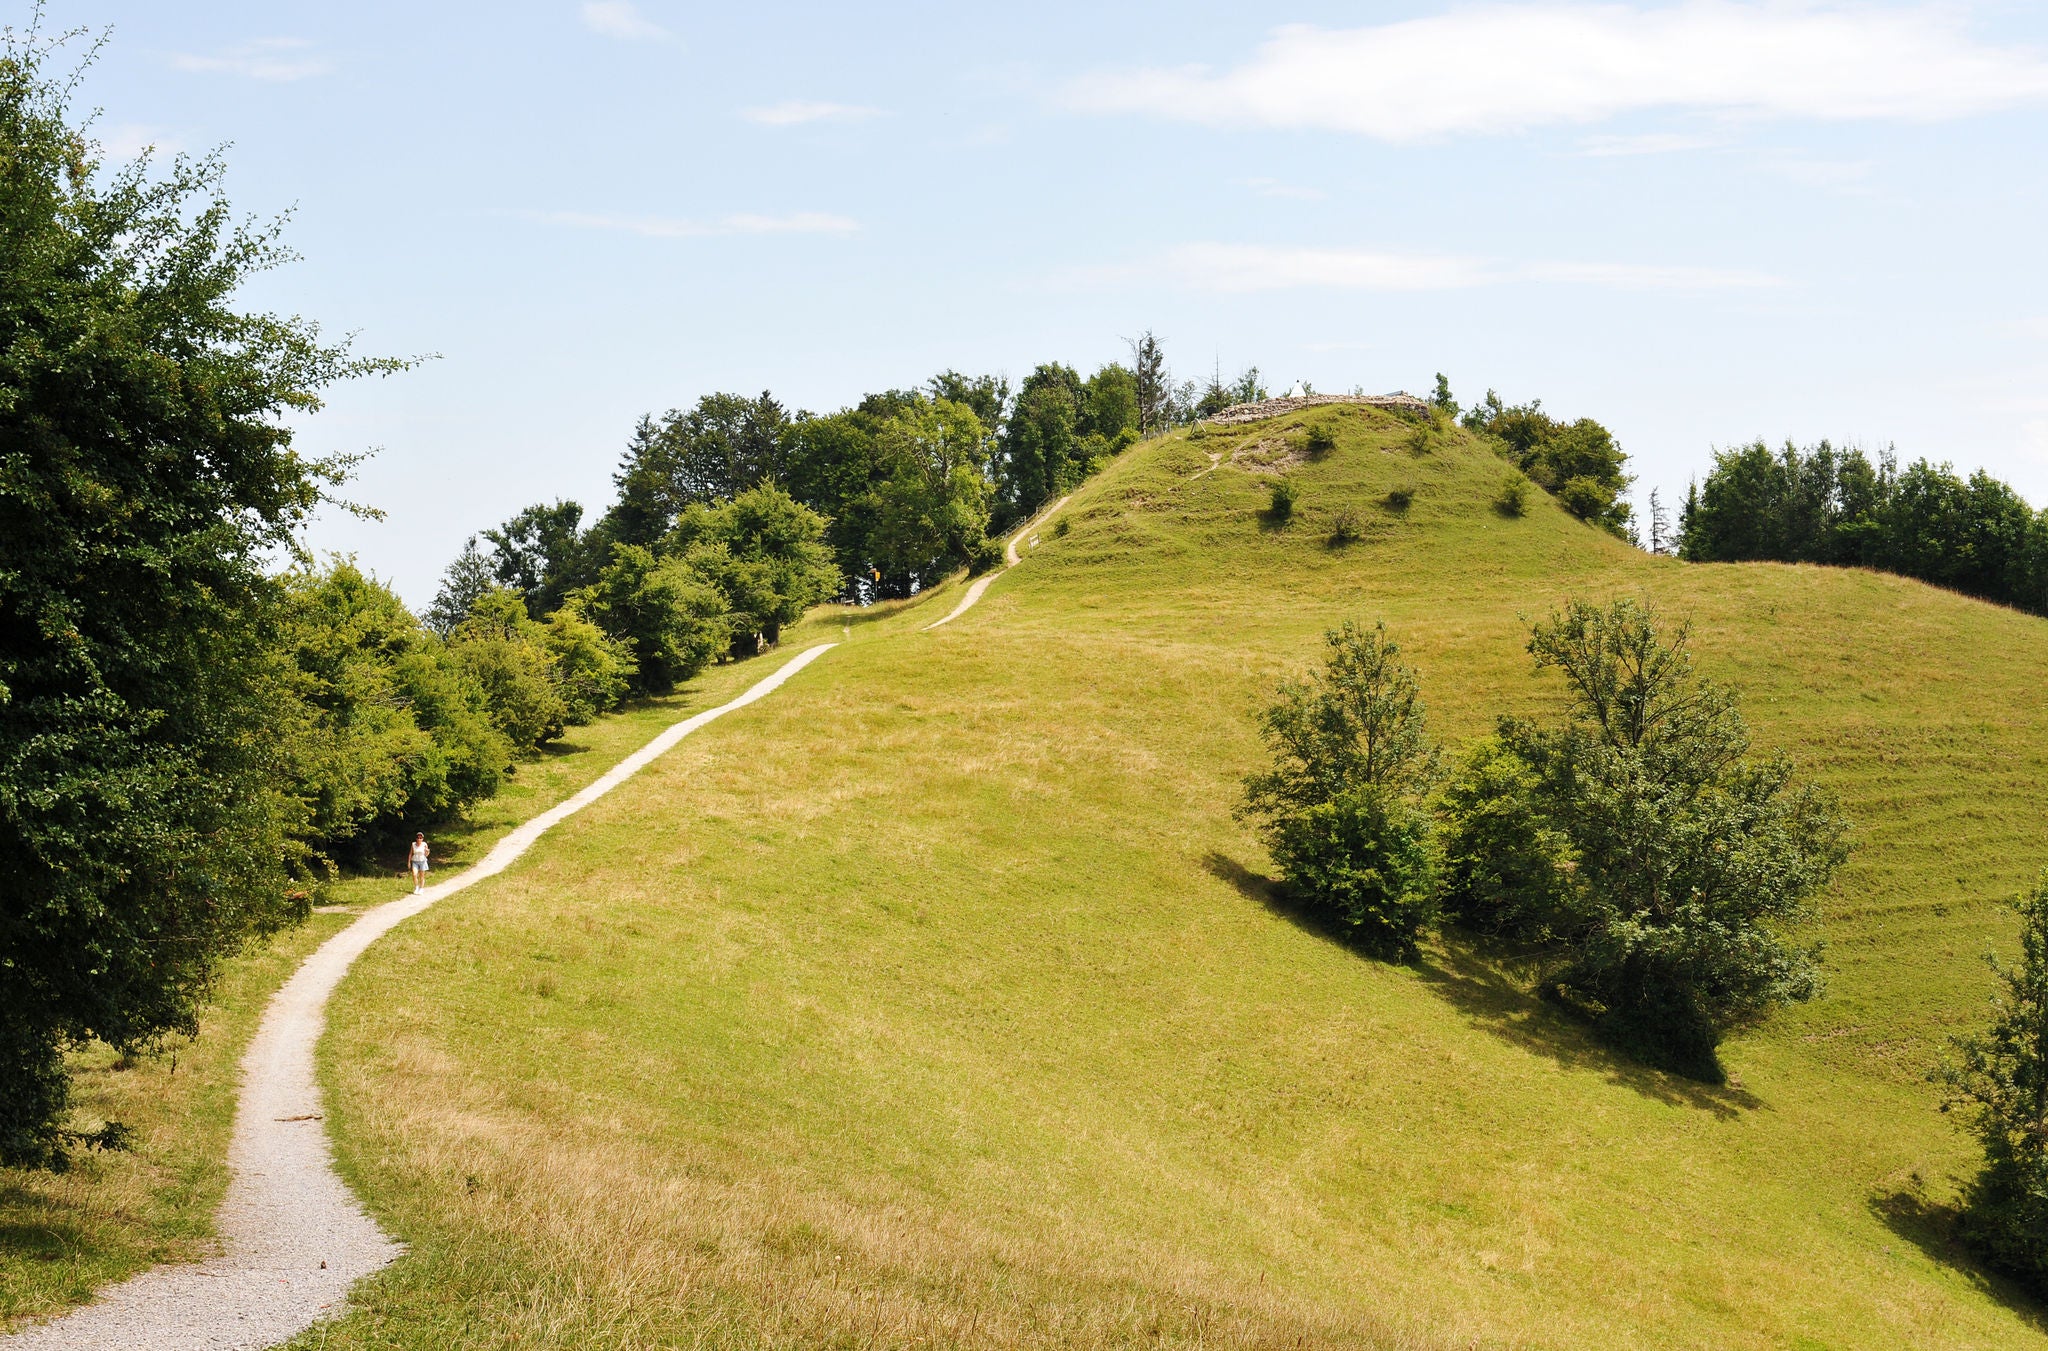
(939, 1000)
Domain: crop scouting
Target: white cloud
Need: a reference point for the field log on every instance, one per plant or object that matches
(1660, 143)
(623, 20)
(1259, 267)
(273, 59)
(671, 227)
(1273, 187)
(797, 112)
(1506, 68)
(1648, 277)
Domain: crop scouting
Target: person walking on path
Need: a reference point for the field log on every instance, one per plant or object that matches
(419, 864)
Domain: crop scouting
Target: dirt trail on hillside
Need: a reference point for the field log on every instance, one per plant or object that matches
(294, 1236)
(1011, 561)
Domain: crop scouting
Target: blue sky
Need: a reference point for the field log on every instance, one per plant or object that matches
(1700, 222)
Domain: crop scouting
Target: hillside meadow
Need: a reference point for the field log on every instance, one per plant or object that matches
(940, 1001)
(65, 1235)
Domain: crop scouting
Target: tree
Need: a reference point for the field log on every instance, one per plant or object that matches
(1579, 463)
(596, 670)
(1041, 442)
(506, 652)
(467, 578)
(766, 552)
(1442, 400)
(397, 732)
(932, 510)
(147, 474)
(1154, 385)
(1998, 1083)
(723, 446)
(1338, 806)
(541, 554)
(987, 396)
(1690, 858)
(674, 623)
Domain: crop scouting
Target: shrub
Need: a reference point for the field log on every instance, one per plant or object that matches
(1504, 865)
(672, 621)
(2000, 1085)
(1321, 441)
(1692, 858)
(1061, 527)
(1513, 497)
(1399, 498)
(506, 653)
(1337, 808)
(984, 555)
(1421, 439)
(1346, 527)
(595, 669)
(1282, 507)
(1362, 861)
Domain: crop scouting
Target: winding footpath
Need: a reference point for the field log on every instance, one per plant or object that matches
(295, 1238)
(1010, 559)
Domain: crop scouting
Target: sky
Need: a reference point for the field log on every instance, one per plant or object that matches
(1701, 222)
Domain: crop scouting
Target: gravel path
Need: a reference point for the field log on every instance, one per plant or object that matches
(295, 1238)
(1009, 554)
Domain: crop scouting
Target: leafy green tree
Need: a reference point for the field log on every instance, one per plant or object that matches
(1506, 867)
(674, 623)
(595, 669)
(1579, 463)
(506, 652)
(1998, 1082)
(766, 552)
(1441, 400)
(723, 446)
(398, 732)
(469, 577)
(1153, 386)
(1691, 858)
(541, 553)
(932, 511)
(146, 476)
(1338, 808)
(987, 396)
(1041, 444)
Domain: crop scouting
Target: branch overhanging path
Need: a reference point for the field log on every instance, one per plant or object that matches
(295, 1238)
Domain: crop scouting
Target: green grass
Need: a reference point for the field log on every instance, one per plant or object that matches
(62, 1237)
(938, 1000)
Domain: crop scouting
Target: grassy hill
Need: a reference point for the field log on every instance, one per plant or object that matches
(939, 1001)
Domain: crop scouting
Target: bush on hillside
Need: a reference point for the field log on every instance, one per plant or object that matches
(1362, 861)
(1505, 866)
(1346, 527)
(1999, 1083)
(396, 731)
(986, 555)
(1338, 806)
(671, 620)
(1513, 498)
(507, 654)
(596, 670)
(1321, 441)
(1281, 507)
(1399, 499)
(1579, 462)
(1691, 857)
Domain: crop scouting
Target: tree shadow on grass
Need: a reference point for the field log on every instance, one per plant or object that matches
(1490, 987)
(1935, 1229)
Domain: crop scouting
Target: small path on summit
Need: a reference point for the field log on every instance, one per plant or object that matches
(295, 1238)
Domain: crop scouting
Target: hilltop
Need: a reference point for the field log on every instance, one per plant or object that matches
(943, 1002)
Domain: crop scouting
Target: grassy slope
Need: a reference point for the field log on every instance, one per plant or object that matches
(937, 1000)
(64, 1237)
